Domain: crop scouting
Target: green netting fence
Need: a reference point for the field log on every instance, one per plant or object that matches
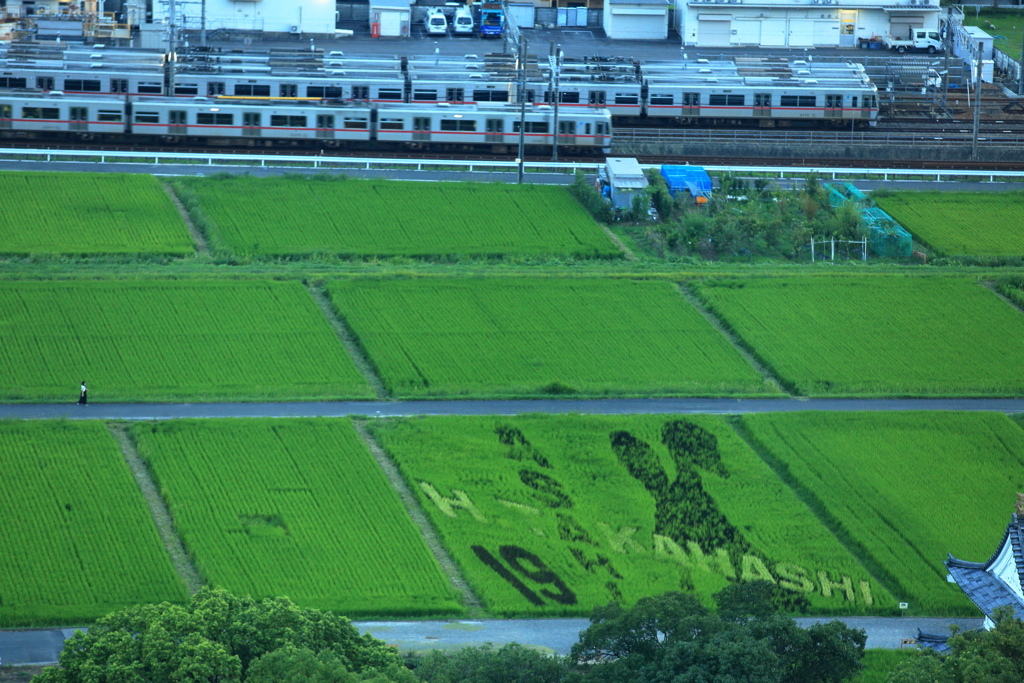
(840, 193)
(887, 238)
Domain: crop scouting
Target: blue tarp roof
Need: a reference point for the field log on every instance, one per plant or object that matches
(692, 178)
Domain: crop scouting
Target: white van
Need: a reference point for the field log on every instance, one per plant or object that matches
(436, 22)
(463, 21)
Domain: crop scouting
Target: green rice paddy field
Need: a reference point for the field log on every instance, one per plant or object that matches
(555, 515)
(187, 340)
(863, 335)
(89, 213)
(296, 508)
(298, 216)
(904, 489)
(78, 541)
(978, 223)
(529, 336)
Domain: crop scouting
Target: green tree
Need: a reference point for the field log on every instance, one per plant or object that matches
(511, 663)
(995, 656)
(213, 639)
(673, 638)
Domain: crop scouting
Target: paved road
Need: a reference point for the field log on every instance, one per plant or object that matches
(557, 635)
(714, 406)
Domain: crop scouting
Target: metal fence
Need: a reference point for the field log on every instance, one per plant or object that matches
(776, 137)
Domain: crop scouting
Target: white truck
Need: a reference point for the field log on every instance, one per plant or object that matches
(463, 21)
(921, 40)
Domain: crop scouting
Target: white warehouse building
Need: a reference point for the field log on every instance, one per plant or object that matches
(276, 16)
(800, 23)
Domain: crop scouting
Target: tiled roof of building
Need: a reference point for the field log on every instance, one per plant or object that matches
(984, 589)
(938, 643)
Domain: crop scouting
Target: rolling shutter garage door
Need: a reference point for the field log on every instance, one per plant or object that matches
(639, 24)
(801, 32)
(826, 33)
(714, 30)
(390, 23)
(901, 25)
(748, 32)
(773, 32)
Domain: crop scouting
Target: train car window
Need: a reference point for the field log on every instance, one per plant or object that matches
(91, 86)
(392, 124)
(78, 113)
(284, 121)
(853, 101)
(49, 113)
(205, 119)
(490, 96)
(458, 124)
(250, 90)
(214, 88)
(147, 117)
(602, 129)
(626, 98)
(725, 100)
(691, 99)
(186, 89)
(288, 90)
(424, 95)
(150, 88)
(455, 95)
(798, 101)
(327, 93)
(390, 94)
(666, 98)
(597, 97)
(44, 82)
(360, 92)
(118, 85)
(762, 99)
(14, 83)
(531, 127)
(569, 97)
(5, 111)
(109, 115)
(358, 123)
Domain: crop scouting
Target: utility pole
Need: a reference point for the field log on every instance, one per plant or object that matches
(172, 57)
(977, 109)
(522, 105)
(947, 41)
(556, 67)
(202, 25)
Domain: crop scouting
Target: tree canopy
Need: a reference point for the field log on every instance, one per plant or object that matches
(216, 638)
(995, 656)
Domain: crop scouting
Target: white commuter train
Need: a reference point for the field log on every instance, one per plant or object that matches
(221, 121)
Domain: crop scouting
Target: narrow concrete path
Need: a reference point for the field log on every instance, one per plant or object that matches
(610, 406)
(555, 635)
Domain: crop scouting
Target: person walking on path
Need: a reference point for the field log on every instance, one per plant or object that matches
(83, 399)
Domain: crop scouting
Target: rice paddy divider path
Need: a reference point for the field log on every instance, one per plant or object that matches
(412, 507)
(768, 375)
(201, 245)
(349, 342)
(157, 507)
(627, 252)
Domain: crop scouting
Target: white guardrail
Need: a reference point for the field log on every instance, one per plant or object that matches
(320, 162)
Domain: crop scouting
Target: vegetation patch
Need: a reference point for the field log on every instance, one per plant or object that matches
(904, 488)
(555, 515)
(89, 213)
(877, 335)
(294, 507)
(78, 540)
(540, 337)
(187, 340)
(974, 223)
(299, 216)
